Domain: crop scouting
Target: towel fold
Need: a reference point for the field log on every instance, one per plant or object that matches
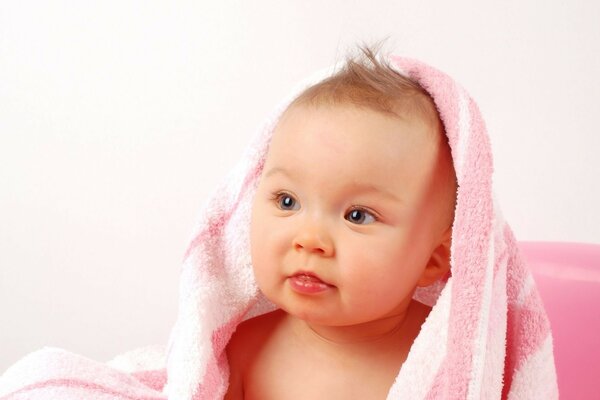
(54, 373)
(487, 336)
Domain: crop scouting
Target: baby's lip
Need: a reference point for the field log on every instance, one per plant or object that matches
(310, 276)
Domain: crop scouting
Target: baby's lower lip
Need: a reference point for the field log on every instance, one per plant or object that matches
(307, 284)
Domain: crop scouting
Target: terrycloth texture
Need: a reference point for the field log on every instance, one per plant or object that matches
(487, 336)
(55, 374)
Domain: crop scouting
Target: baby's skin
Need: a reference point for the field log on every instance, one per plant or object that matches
(278, 356)
(346, 224)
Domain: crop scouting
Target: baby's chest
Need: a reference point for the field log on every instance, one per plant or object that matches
(295, 379)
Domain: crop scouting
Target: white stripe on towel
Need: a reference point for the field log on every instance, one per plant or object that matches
(536, 379)
(426, 354)
(480, 342)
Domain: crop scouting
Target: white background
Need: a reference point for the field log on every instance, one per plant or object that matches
(117, 118)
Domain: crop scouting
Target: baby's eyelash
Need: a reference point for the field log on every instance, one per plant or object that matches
(367, 210)
(276, 197)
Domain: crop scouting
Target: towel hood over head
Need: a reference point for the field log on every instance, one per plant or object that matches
(487, 336)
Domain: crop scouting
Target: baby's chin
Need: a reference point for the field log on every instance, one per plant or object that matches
(326, 319)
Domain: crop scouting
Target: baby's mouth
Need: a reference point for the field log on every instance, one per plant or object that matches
(308, 278)
(308, 282)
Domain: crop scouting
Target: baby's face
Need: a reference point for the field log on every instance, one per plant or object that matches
(341, 222)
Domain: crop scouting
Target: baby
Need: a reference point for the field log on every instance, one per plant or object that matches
(353, 212)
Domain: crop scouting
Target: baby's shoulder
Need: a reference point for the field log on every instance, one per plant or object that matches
(250, 336)
(245, 345)
(254, 330)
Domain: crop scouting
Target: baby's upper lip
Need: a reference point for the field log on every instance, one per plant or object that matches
(310, 274)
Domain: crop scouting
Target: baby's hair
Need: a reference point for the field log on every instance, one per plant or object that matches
(367, 81)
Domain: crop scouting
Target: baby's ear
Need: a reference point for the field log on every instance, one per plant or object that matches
(439, 262)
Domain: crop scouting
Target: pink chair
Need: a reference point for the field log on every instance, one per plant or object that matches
(568, 279)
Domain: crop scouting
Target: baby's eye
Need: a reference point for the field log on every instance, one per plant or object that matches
(285, 201)
(360, 215)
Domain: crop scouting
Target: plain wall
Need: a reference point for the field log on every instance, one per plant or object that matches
(117, 118)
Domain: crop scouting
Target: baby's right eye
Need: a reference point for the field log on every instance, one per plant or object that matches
(285, 201)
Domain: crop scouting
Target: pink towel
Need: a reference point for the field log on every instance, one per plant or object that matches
(487, 336)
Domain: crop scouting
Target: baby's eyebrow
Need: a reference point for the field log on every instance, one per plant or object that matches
(290, 174)
(278, 170)
(367, 187)
(357, 186)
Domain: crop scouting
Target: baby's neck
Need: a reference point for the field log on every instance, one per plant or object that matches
(373, 333)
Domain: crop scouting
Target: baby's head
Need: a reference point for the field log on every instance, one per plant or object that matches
(356, 200)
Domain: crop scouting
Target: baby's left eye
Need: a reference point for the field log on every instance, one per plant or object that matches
(359, 216)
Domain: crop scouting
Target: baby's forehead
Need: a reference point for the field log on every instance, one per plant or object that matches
(432, 128)
(355, 138)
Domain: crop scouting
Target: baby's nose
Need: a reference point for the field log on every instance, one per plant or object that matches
(314, 239)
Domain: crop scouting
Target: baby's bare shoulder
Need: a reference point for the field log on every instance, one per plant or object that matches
(250, 336)
(257, 329)
(245, 345)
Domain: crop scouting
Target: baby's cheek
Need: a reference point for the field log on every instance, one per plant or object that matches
(258, 261)
(361, 271)
(380, 267)
(263, 280)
